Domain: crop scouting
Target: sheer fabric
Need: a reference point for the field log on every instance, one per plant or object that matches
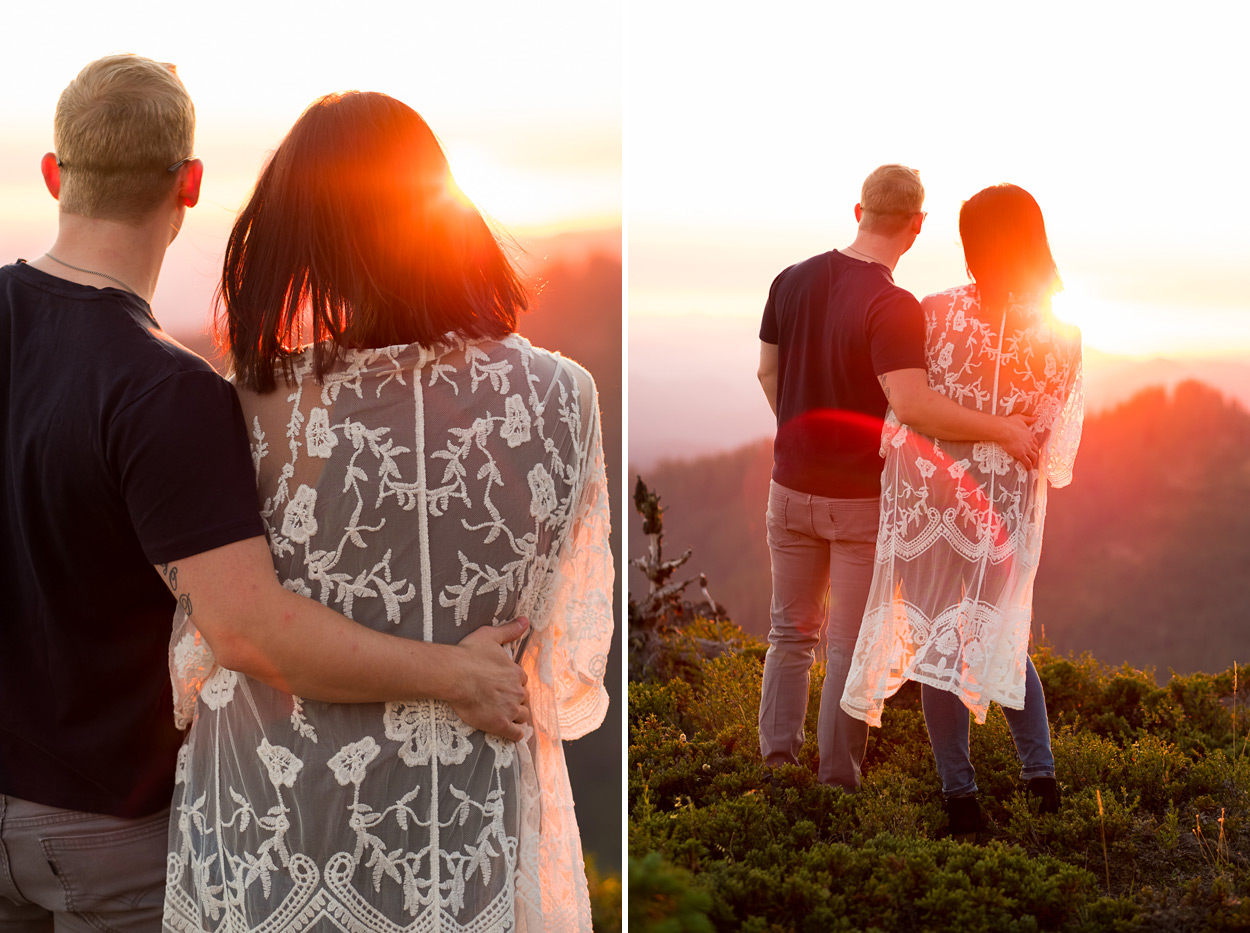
(961, 521)
(423, 492)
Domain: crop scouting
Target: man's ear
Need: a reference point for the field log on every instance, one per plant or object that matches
(917, 221)
(859, 211)
(190, 176)
(51, 174)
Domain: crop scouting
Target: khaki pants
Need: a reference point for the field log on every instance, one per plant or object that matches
(72, 872)
(820, 547)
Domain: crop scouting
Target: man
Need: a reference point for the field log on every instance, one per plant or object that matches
(839, 342)
(127, 485)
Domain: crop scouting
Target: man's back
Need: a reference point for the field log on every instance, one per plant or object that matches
(838, 323)
(108, 432)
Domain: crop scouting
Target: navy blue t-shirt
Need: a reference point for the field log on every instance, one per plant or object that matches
(838, 323)
(119, 449)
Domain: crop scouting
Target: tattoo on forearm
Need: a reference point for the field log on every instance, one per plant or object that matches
(885, 386)
(170, 573)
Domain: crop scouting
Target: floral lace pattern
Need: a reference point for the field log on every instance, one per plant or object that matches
(961, 522)
(423, 492)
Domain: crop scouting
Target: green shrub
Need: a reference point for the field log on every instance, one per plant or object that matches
(717, 838)
(662, 898)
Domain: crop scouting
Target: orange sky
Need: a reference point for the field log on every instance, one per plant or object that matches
(531, 122)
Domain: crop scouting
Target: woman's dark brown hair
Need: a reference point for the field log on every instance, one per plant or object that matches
(1005, 246)
(356, 226)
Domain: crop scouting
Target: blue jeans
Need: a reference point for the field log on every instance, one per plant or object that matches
(947, 720)
(822, 553)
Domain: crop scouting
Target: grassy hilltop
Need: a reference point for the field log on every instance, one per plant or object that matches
(1151, 835)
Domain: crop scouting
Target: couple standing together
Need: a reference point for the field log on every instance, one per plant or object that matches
(928, 565)
(419, 467)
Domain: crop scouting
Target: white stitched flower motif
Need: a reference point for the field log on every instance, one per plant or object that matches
(1048, 408)
(280, 762)
(900, 438)
(298, 586)
(1051, 366)
(503, 749)
(925, 467)
(352, 760)
(516, 421)
(427, 727)
(958, 468)
(991, 457)
(218, 690)
(192, 656)
(542, 492)
(947, 642)
(260, 449)
(319, 435)
(298, 521)
(959, 322)
(947, 354)
(973, 654)
(180, 767)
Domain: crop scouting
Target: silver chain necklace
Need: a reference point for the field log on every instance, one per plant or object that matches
(852, 249)
(103, 275)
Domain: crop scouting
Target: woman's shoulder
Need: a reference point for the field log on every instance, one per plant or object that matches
(959, 294)
(549, 363)
(449, 355)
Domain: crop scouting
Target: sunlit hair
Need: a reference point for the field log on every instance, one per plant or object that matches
(1005, 246)
(119, 126)
(357, 226)
(891, 195)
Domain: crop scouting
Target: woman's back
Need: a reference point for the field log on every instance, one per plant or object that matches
(423, 492)
(961, 521)
(480, 447)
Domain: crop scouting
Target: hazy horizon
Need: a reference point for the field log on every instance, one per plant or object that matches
(693, 389)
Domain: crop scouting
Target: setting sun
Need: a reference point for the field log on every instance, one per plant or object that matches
(1134, 329)
(1103, 325)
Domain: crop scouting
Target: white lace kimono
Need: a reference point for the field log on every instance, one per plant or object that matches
(961, 522)
(422, 492)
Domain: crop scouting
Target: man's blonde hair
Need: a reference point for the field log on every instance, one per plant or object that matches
(119, 126)
(890, 196)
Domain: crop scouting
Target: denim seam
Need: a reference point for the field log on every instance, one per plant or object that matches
(85, 842)
(6, 873)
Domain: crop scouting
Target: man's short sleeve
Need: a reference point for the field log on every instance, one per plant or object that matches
(769, 330)
(181, 456)
(896, 332)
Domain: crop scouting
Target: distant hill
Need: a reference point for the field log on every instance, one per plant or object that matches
(1146, 557)
(693, 389)
(1110, 380)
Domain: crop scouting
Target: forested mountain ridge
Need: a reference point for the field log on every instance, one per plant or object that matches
(1146, 558)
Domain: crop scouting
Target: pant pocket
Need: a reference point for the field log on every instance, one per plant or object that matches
(856, 519)
(115, 864)
(775, 518)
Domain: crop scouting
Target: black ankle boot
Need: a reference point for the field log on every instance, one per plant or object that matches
(1046, 790)
(963, 816)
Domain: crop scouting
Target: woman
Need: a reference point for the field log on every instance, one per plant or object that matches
(961, 522)
(426, 471)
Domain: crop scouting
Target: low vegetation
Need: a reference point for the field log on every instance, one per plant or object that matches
(1151, 834)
